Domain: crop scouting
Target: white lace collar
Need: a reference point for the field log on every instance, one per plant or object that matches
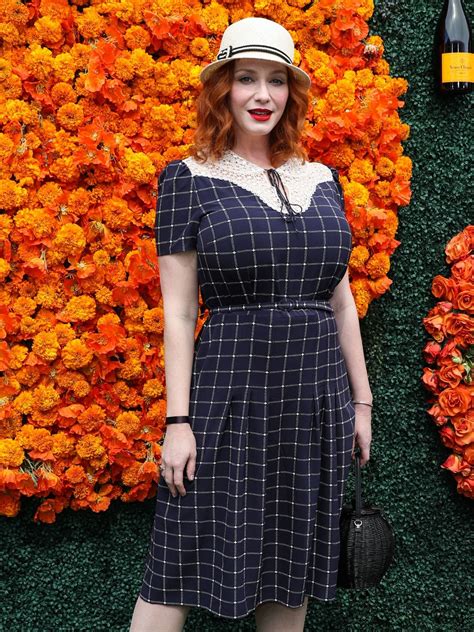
(299, 180)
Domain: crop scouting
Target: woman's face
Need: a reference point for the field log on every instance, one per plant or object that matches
(258, 84)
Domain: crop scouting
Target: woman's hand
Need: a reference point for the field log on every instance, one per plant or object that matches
(362, 432)
(179, 449)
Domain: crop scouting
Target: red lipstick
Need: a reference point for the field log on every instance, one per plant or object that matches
(260, 114)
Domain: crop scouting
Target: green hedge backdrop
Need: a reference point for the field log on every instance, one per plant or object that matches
(84, 572)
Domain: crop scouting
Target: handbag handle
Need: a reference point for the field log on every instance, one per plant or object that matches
(358, 484)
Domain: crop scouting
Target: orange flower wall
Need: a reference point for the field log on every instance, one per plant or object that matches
(96, 97)
(450, 356)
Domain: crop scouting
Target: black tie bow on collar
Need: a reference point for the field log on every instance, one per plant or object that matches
(276, 181)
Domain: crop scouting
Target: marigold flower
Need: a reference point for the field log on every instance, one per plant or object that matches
(6, 147)
(356, 193)
(362, 296)
(138, 167)
(376, 42)
(385, 167)
(49, 29)
(117, 215)
(70, 115)
(5, 227)
(90, 23)
(404, 167)
(11, 195)
(123, 67)
(46, 345)
(364, 78)
(90, 447)
(46, 397)
(134, 327)
(382, 188)
(64, 67)
(366, 9)
(101, 257)
(137, 37)
(104, 296)
(131, 369)
(44, 419)
(152, 319)
(24, 306)
(70, 240)
(341, 95)
(92, 418)
(11, 453)
(136, 310)
(153, 388)
(131, 475)
(199, 47)
(39, 61)
(378, 265)
(156, 412)
(48, 298)
(39, 439)
(215, 17)
(359, 256)
(75, 474)
(361, 170)
(142, 62)
(382, 67)
(81, 389)
(61, 93)
(76, 354)
(18, 354)
(78, 201)
(122, 390)
(4, 269)
(64, 333)
(78, 309)
(129, 423)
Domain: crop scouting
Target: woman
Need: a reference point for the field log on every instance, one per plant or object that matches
(265, 408)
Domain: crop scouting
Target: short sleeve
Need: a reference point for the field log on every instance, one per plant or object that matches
(335, 175)
(177, 210)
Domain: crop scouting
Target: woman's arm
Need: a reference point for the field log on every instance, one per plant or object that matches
(345, 312)
(179, 288)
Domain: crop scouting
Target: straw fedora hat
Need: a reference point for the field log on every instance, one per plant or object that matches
(257, 38)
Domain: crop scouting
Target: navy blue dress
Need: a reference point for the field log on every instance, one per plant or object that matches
(270, 403)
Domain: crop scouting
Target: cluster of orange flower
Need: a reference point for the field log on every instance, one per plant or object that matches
(451, 352)
(96, 97)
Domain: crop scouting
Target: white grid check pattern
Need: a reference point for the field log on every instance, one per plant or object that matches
(270, 403)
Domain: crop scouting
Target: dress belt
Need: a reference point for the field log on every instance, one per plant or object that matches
(286, 304)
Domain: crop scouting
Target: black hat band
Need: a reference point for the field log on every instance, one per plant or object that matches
(226, 53)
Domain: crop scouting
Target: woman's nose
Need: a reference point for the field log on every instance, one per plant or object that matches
(262, 90)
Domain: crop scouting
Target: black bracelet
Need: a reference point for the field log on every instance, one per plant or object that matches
(177, 419)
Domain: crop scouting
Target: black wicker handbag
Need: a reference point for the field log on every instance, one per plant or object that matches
(367, 541)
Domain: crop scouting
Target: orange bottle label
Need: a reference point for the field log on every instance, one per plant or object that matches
(457, 67)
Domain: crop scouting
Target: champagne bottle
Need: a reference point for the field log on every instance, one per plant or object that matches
(453, 52)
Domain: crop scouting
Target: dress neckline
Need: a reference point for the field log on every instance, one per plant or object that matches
(258, 168)
(299, 180)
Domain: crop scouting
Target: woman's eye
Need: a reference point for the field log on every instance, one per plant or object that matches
(247, 77)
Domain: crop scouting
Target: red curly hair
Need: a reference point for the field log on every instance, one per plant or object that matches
(214, 132)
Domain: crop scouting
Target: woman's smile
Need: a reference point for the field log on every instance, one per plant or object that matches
(260, 114)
